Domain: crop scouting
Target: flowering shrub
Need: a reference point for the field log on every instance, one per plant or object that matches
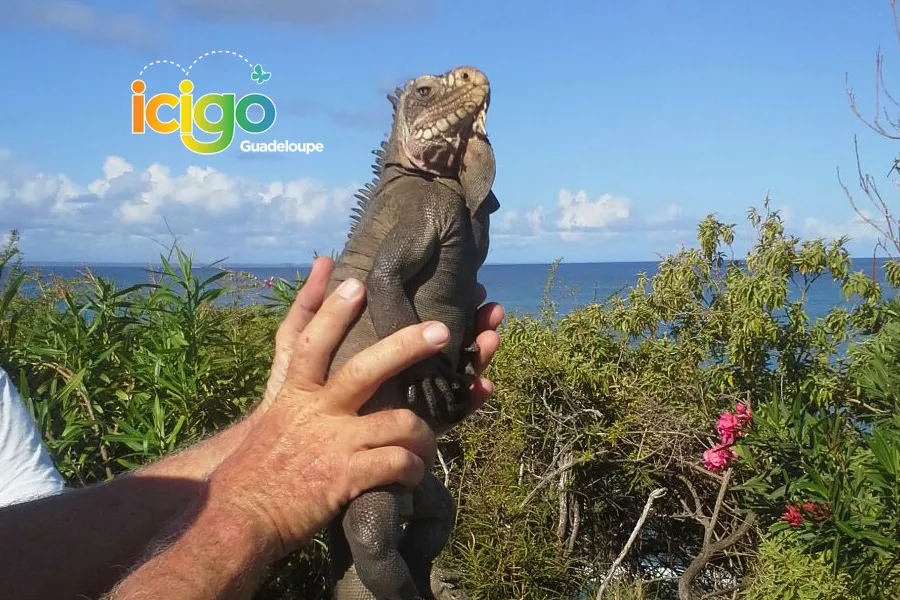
(829, 478)
(792, 515)
(815, 511)
(730, 427)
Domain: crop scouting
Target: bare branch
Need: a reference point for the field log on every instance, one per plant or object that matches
(576, 525)
(707, 537)
(698, 508)
(562, 486)
(551, 476)
(731, 590)
(875, 124)
(444, 467)
(657, 493)
(867, 184)
(710, 548)
(684, 583)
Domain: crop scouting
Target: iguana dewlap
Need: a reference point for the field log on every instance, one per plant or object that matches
(417, 242)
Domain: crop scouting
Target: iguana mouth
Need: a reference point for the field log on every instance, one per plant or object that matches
(463, 110)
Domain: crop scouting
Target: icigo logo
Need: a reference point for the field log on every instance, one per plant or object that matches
(187, 114)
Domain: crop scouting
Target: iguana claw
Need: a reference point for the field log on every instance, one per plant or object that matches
(468, 362)
(446, 585)
(434, 386)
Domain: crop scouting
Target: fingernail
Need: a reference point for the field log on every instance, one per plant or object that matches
(349, 289)
(436, 333)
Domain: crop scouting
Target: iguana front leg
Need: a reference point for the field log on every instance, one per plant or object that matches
(402, 254)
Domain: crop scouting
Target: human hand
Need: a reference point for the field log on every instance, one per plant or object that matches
(308, 301)
(310, 453)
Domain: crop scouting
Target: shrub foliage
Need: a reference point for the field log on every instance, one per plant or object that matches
(698, 433)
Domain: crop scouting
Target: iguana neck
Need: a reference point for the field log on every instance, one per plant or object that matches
(395, 162)
(394, 156)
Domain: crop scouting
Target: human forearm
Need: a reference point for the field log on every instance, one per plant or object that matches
(218, 552)
(79, 543)
(100, 531)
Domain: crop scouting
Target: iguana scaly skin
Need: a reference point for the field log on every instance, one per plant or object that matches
(417, 242)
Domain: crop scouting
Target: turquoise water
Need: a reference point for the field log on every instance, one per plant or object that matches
(518, 287)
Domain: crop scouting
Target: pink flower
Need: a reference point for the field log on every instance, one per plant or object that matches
(717, 458)
(269, 282)
(727, 426)
(792, 515)
(744, 413)
(726, 438)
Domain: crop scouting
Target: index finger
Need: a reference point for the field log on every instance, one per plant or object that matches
(308, 299)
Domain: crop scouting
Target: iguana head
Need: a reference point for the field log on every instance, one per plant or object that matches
(440, 128)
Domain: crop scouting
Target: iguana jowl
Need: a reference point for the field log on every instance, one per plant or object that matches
(417, 241)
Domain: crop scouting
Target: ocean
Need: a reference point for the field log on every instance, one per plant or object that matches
(519, 288)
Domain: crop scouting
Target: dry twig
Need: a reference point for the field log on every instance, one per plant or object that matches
(657, 493)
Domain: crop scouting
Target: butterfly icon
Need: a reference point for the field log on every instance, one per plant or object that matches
(258, 75)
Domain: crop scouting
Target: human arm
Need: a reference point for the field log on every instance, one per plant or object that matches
(80, 542)
(309, 455)
(99, 531)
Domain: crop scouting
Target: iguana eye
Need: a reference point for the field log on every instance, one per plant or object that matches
(423, 91)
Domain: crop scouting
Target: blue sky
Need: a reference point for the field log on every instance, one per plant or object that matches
(617, 125)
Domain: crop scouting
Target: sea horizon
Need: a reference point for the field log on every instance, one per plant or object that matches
(224, 263)
(519, 287)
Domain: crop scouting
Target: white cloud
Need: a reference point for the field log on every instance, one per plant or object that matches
(578, 212)
(511, 222)
(669, 214)
(856, 228)
(113, 168)
(126, 201)
(535, 218)
(115, 216)
(577, 219)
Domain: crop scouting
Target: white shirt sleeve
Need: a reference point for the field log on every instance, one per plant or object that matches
(26, 469)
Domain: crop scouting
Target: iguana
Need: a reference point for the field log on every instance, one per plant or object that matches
(417, 240)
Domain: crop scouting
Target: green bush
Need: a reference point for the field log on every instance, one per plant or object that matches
(787, 572)
(593, 411)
